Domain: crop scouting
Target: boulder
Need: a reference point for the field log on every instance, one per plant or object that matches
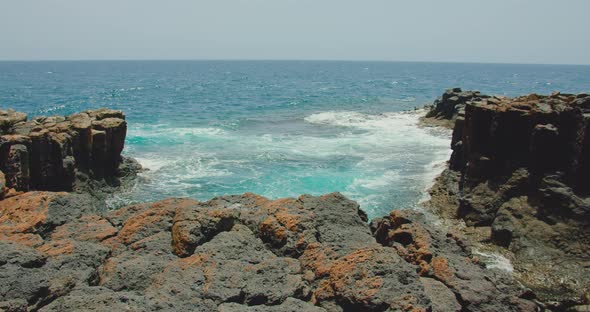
(15, 161)
(451, 104)
(8, 118)
(452, 275)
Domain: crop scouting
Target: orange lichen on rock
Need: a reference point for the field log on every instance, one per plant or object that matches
(26, 239)
(270, 227)
(317, 258)
(411, 240)
(194, 260)
(441, 269)
(150, 220)
(25, 213)
(343, 272)
(290, 221)
(57, 248)
(193, 225)
(207, 265)
(181, 238)
(369, 286)
(88, 228)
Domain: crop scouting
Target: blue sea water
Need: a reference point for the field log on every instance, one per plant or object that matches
(277, 128)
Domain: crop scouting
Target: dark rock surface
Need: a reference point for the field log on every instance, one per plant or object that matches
(62, 153)
(520, 169)
(450, 106)
(62, 252)
(453, 277)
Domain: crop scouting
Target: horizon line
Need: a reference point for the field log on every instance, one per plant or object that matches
(281, 60)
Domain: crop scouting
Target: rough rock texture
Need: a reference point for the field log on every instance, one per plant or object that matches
(452, 276)
(61, 153)
(520, 169)
(448, 107)
(61, 252)
(2, 185)
(8, 118)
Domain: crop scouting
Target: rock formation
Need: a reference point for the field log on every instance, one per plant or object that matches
(61, 153)
(60, 252)
(520, 167)
(449, 106)
(63, 251)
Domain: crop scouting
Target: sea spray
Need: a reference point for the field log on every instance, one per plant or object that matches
(384, 161)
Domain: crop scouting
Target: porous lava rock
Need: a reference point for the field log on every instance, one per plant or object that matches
(450, 106)
(62, 252)
(520, 167)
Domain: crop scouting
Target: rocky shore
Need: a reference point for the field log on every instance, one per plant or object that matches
(519, 179)
(61, 249)
(80, 152)
(236, 253)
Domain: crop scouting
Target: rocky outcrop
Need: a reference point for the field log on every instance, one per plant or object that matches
(520, 168)
(61, 153)
(453, 276)
(450, 106)
(236, 253)
(544, 134)
(8, 118)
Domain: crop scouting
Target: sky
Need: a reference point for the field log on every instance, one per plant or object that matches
(490, 31)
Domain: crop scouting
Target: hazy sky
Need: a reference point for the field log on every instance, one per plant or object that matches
(514, 31)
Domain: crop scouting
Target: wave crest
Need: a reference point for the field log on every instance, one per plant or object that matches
(351, 119)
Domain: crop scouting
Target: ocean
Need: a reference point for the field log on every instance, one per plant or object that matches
(275, 128)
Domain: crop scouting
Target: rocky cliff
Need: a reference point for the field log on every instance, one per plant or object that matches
(61, 252)
(449, 106)
(61, 153)
(520, 171)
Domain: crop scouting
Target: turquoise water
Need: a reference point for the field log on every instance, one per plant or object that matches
(208, 128)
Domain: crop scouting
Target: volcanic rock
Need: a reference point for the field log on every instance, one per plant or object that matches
(450, 107)
(62, 252)
(520, 167)
(50, 153)
(8, 118)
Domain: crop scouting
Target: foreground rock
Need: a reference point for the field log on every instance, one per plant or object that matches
(452, 276)
(62, 153)
(520, 168)
(235, 253)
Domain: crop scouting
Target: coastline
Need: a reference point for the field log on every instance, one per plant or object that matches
(311, 253)
(504, 202)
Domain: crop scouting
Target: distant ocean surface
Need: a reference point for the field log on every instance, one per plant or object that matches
(276, 128)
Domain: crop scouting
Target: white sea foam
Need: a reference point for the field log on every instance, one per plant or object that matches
(495, 261)
(152, 164)
(381, 160)
(131, 89)
(51, 109)
(376, 183)
(433, 170)
(197, 131)
(171, 132)
(385, 121)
